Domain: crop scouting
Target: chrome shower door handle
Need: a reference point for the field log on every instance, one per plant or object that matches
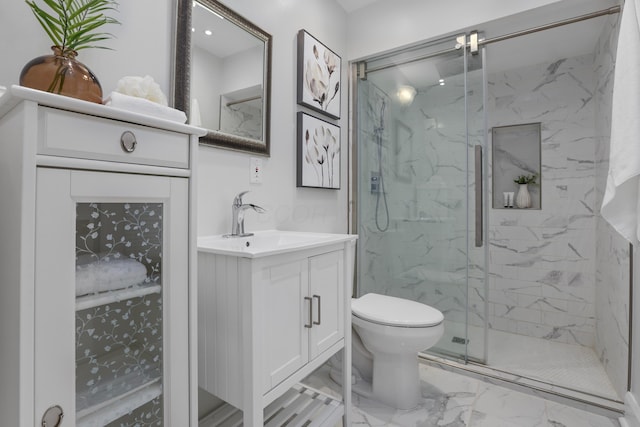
(310, 324)
(319, 310)
(478, 185)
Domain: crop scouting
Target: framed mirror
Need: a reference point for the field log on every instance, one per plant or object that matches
(223, 75)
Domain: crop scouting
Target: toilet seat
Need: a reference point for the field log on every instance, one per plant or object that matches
(397, 312)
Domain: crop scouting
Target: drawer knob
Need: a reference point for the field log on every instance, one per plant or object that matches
(53, 417)
(128, 141)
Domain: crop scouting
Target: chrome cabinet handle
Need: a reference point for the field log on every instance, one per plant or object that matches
(53, 416)
(319, 310)
(310, 313)
(128, 141)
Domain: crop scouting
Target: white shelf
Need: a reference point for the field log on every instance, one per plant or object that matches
(300, 406)
(95, 300)
(111, 410)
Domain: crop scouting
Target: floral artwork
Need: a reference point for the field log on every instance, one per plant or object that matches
(319, 82)
(318, 153)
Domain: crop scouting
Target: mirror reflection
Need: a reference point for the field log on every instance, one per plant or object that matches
(225, 85)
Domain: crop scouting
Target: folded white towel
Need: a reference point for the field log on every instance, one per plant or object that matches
(144, 106)
(108, 274)
(621, 201)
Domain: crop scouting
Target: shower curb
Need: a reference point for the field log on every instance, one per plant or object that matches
(583, 401)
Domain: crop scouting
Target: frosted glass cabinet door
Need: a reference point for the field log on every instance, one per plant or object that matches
(111, 298)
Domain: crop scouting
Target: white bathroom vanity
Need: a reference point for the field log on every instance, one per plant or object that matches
(272, 308)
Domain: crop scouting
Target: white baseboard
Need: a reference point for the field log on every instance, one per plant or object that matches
(632, 412)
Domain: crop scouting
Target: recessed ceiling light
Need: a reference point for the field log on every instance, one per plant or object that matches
(406, 94)
(193, 29)
(208, 32)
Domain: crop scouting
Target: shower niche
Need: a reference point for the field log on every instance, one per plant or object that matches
(516, 166)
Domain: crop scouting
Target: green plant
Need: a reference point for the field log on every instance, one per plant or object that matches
(73, 24)
(525, 179)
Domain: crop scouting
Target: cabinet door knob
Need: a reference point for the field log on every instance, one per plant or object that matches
(53, 416)
(310, 324)
(128, 141)
(319, 310)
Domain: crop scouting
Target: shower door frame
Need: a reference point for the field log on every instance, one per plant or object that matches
(468, 42)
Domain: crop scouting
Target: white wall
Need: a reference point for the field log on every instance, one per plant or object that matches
(208, 89)
(243, 70)
(390, 24)
(224, 173)
(143, 46)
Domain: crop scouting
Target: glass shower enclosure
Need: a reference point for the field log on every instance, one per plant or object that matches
(421, 176)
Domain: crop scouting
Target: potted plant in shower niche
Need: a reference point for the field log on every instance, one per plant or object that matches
(72, 25)
(523, 199)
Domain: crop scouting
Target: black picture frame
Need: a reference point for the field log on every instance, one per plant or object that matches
(319, 76)
(318, 153)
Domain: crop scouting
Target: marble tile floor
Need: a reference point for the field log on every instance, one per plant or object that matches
(454, 400)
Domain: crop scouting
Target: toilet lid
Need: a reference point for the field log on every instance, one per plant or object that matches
(392, 311)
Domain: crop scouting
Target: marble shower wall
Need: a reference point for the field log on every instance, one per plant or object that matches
(422, 255)
(542, 261)
(546, 277)
(612, 251)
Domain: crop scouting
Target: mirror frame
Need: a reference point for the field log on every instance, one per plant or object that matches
(182, 76)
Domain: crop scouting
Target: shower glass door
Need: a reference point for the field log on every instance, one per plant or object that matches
(419, 118)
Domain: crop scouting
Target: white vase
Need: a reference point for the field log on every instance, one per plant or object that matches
(523, 199)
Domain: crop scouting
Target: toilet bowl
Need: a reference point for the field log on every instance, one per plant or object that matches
(388, 334)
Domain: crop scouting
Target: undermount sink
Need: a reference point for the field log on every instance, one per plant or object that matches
(268, 242)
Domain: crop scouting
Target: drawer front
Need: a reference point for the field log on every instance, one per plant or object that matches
(68, 134)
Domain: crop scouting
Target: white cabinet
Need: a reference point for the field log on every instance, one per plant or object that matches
(96, 302)
(266, 322)
(303, 315)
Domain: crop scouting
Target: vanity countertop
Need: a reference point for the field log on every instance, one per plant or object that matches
(269, 242)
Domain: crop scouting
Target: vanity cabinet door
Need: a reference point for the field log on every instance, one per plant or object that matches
(111, 298)
(286, 341)
(326, 288)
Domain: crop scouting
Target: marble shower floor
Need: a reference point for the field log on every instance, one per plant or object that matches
(454, 400)
(557, 364)
(566, 365)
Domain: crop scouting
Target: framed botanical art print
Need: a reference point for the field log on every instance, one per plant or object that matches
(318, 153)
(319, 72)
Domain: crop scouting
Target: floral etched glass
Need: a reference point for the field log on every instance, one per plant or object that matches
(119, 314)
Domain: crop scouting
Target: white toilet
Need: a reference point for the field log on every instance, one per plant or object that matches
(388, 334)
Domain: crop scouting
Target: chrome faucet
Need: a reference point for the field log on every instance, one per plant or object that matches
(237, 216)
